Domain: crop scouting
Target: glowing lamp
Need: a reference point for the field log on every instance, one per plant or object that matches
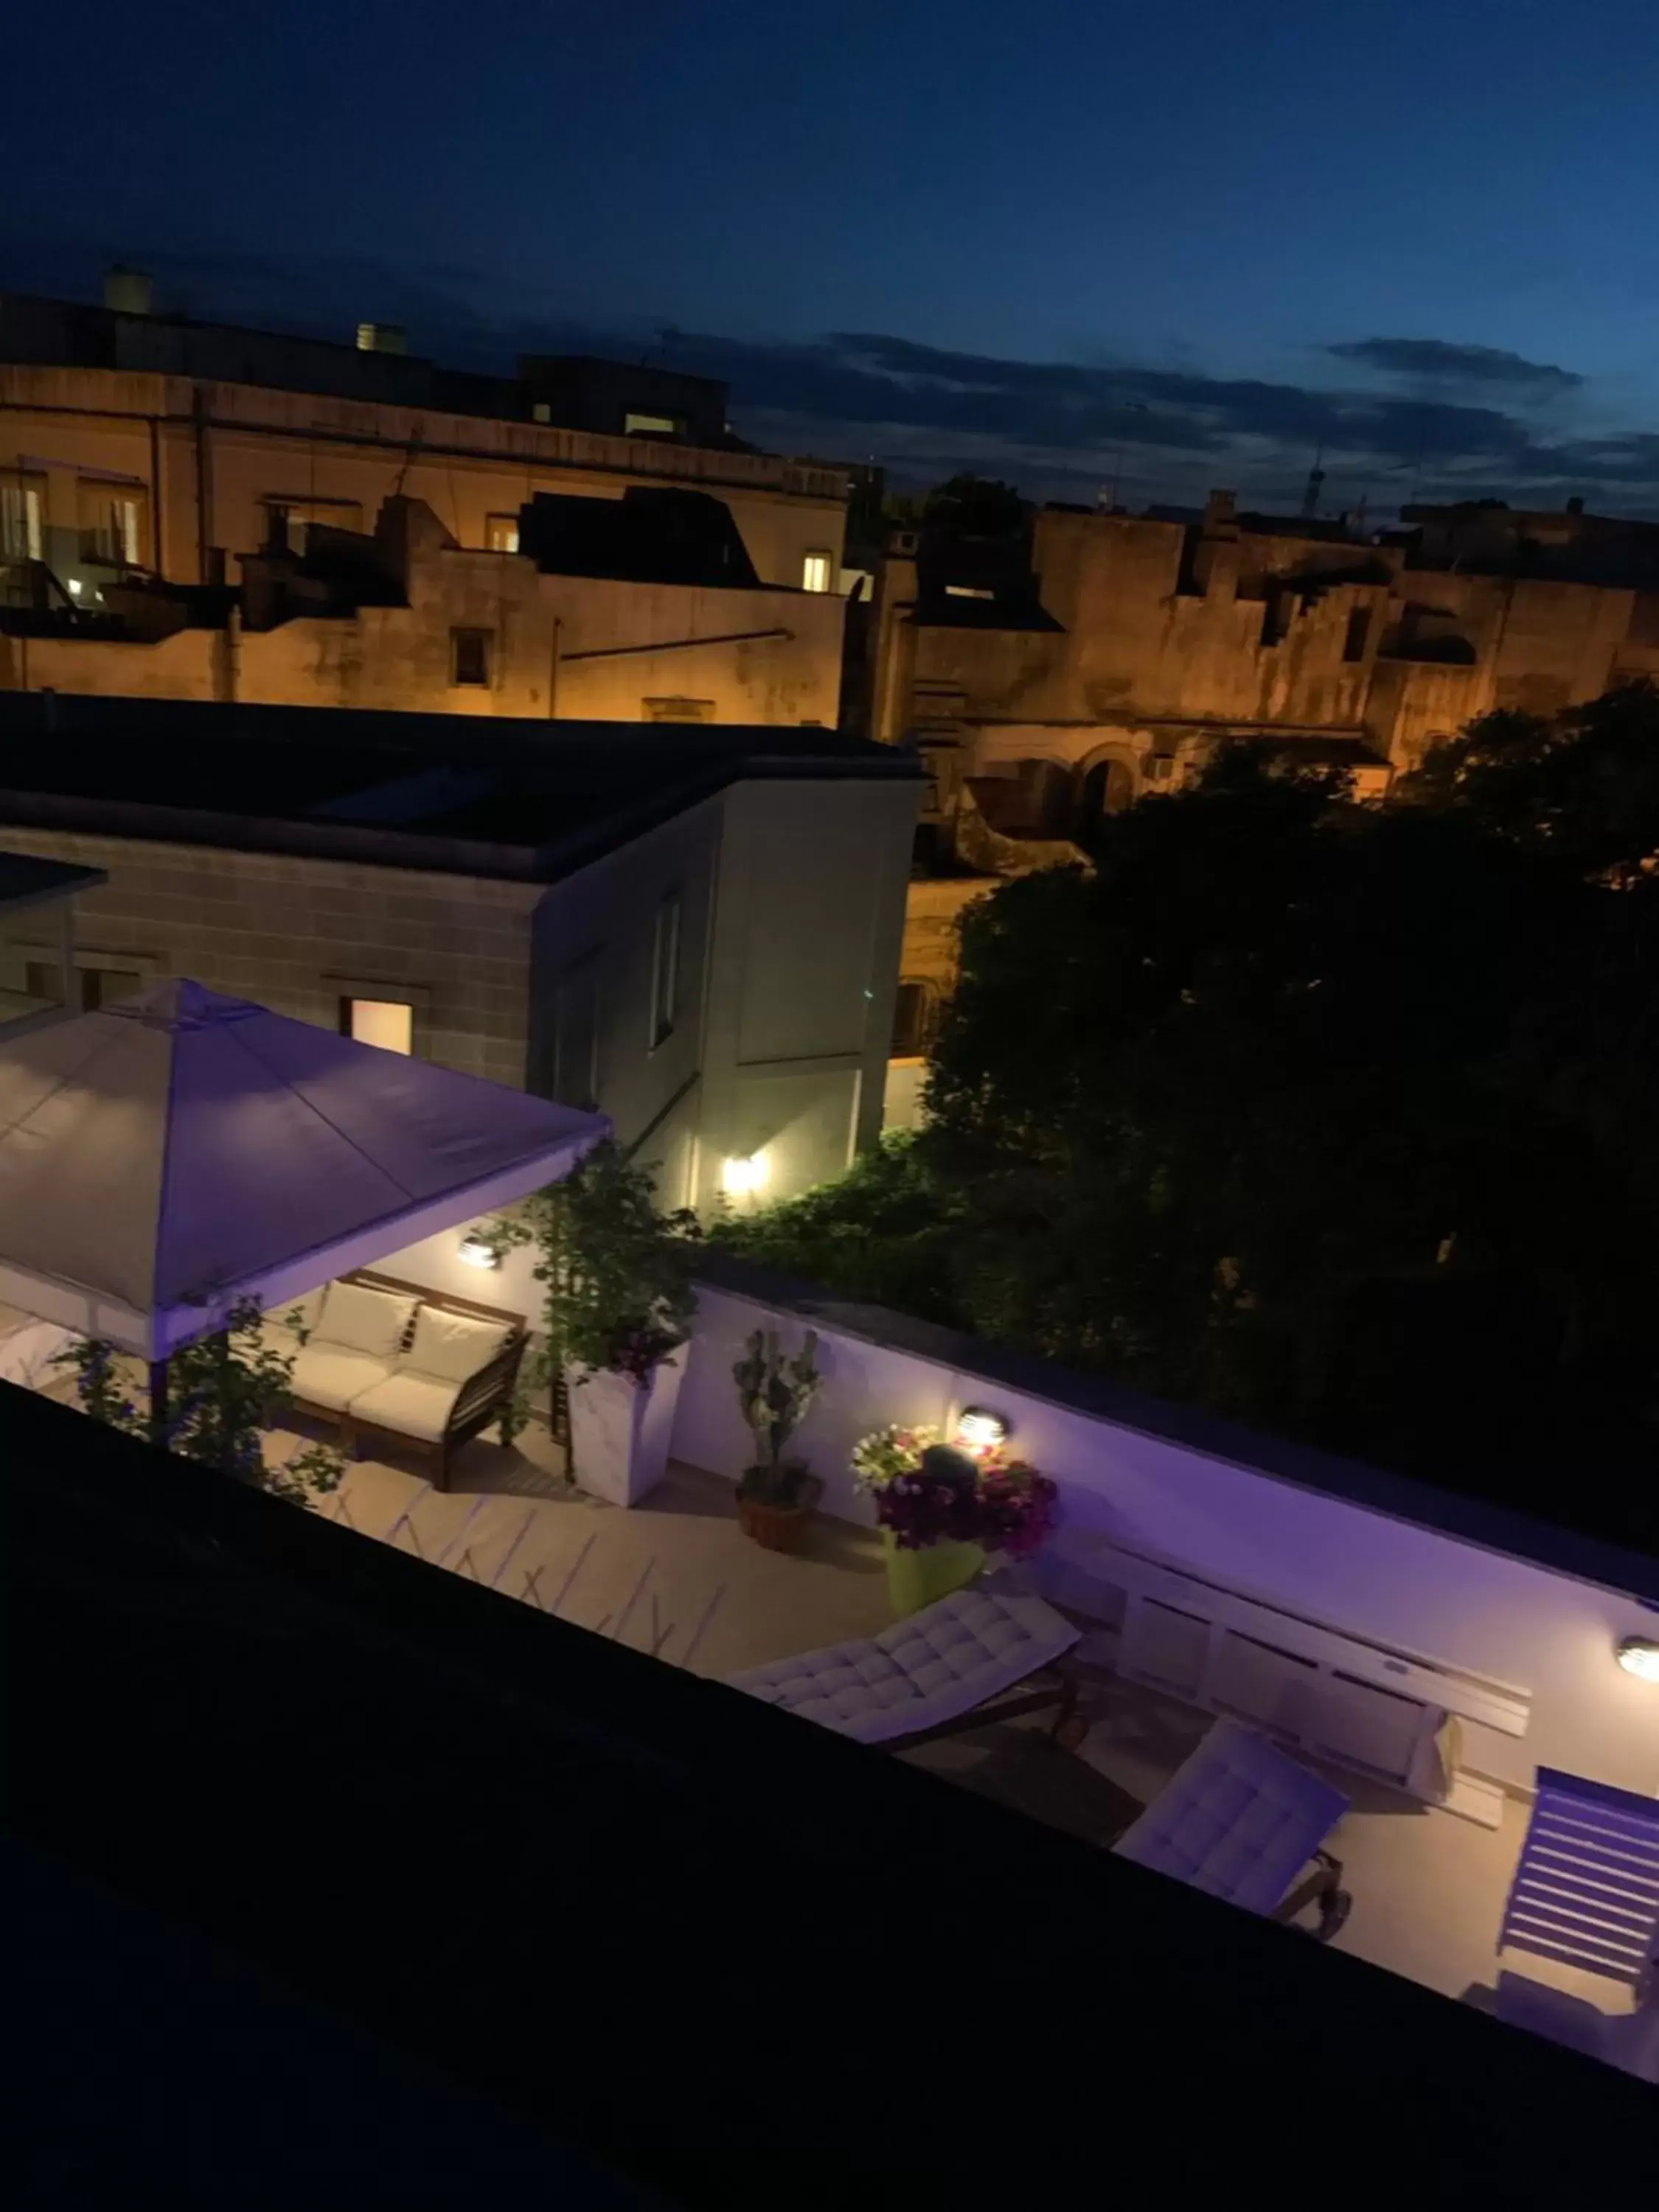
(743, 1177)
(477, 1251)
(1639, 1654)
(980, 1429)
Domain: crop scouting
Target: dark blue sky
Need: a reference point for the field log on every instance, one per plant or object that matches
(939, 234)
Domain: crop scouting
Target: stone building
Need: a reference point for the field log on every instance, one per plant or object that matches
(667, 622)
(135, 441)
(1050, 679)
(699, 939)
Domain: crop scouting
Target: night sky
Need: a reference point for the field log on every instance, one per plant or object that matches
(940, 233)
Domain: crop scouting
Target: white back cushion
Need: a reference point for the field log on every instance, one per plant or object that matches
(453, 1346)
(364, 1320)
(299, 1314)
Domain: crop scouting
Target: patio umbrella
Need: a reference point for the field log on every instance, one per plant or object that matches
(175, 1152)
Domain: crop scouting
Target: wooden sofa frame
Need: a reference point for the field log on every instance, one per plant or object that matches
(482, 1399)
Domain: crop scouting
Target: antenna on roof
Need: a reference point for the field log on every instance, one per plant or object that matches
(1316, 483)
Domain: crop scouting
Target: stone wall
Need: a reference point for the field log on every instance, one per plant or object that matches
(297, 935)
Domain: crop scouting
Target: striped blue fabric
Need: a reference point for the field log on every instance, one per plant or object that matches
(1586, 1891)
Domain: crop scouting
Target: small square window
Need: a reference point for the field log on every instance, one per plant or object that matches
(676, 710)
(387, 1022)
(468, 657)
(816, 571)
(501, 533)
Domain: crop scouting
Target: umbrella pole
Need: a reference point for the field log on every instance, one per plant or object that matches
(158, 1401)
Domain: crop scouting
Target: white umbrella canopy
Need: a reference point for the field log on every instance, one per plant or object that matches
(170, 1154)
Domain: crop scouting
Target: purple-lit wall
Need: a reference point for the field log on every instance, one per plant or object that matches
(1365, 1571)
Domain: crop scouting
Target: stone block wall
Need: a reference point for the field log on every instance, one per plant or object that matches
(297, 934)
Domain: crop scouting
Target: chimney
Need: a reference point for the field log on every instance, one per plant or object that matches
(1221, 514)
(1576, 505)
(382, 337)
(129, 291)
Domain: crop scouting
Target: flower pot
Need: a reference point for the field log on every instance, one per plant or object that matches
(922, 1578)
(620, 1429)
(779, 1528)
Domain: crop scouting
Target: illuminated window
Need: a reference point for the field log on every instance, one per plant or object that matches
(501, 533)
(468, 657)
(665, 969)
(635, 424)
(541, 412)
(815, 572)
(111, 526)
(387, 1022)
(19, 521)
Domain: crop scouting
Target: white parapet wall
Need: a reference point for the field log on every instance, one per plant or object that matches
(1376, 1556)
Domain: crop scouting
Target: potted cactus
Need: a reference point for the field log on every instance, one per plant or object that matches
(776, 1495)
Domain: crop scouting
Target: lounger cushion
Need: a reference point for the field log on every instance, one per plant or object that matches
(410, 1405)
(942, 1661)
(359, 1319)
(330, 1376)
(1239, 1820)
(453, 1346)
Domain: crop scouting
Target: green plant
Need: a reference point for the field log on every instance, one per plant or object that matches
(775, 1392)
(223, 1392)
(615, 1271)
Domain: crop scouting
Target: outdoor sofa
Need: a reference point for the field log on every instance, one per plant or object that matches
(374, 1357)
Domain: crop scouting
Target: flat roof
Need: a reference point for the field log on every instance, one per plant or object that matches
(728, 1954)
(26, 881)
(529, 800)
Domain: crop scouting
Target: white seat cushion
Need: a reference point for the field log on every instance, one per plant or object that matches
(1239, 1818)
(453, 1346)
(941, 1662)
(357, 1319)
(329, 1375)
(414, 1405)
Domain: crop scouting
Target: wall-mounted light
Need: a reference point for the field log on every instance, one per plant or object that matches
(743, 1175)
(1639, 1654)
(979, 1428)
(477, 1251)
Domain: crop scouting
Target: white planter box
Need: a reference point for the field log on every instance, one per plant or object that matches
(619, 1431)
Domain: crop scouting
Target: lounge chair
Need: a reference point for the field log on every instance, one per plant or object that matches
(1240, 1820)
(976, 1657)
(1586, 1894)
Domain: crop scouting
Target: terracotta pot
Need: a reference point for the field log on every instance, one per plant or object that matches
(779, 1528)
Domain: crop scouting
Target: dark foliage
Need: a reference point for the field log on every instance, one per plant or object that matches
(1339, 1120)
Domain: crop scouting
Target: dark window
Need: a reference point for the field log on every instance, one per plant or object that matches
(468, 657)
(913, 1021)
(93, 986)
(1359, 622)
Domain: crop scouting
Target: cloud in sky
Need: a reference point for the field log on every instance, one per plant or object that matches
(1391, 417)
(1438, 360)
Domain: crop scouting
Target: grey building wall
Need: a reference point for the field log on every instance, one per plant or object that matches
(297, 935)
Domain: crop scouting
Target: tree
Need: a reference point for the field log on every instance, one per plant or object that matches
(968, 506)
(1316, 1115)
(224, 1393)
